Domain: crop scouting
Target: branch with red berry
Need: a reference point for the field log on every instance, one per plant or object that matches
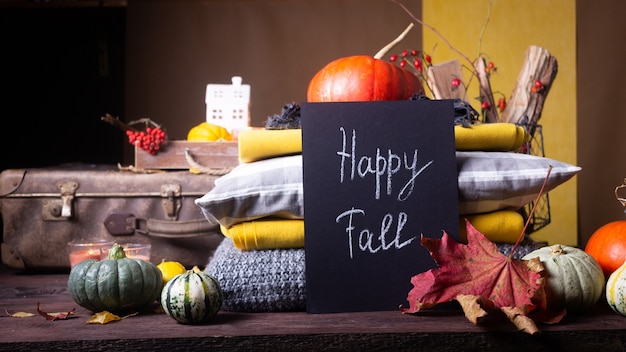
(149, 137)
(445, 80)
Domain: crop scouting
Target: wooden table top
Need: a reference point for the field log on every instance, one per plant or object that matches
(384, 331)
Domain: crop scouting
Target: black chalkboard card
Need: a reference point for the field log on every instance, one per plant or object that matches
(377, 175)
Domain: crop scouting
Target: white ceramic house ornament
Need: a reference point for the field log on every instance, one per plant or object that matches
(228, 105)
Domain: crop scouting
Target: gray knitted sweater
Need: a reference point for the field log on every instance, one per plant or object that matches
(259, 280)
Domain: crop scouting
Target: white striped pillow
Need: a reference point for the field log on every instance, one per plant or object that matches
(487, 181)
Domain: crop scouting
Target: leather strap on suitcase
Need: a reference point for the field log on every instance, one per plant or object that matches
(125, 224)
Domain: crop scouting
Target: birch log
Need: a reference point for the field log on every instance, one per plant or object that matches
(525, 106)
(486, 95)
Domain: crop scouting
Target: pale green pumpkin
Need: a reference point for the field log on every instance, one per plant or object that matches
(574, 279)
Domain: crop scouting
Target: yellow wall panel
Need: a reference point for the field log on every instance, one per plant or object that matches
(513, 26)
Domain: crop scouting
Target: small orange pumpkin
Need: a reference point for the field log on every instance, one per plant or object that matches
(362, 78)
(208, 132)
(607, 245)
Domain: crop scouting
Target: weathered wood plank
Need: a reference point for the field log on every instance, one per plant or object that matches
(172, 156)
(444, 330)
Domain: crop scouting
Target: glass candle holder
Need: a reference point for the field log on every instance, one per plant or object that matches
(132, 250)
(82, 250)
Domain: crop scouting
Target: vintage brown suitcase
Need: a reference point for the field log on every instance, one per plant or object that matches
(43, 209)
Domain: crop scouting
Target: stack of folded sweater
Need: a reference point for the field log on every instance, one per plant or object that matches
(259, 206)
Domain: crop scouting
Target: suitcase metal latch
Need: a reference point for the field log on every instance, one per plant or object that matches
(61, 209)
(172, 201)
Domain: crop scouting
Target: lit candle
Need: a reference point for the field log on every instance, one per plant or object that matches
(82, 251)
(78, 256)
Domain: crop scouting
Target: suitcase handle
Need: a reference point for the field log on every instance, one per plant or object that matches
(125, 224)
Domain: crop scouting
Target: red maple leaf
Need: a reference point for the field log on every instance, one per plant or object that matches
(479, 276)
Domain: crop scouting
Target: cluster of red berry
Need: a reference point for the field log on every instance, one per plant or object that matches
(501, 104)
(537, 87)
(419, 59)
(149, 140)
(491, 67)
(417, 56)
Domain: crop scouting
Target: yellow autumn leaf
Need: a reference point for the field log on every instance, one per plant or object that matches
(103, 317)
(19, 314)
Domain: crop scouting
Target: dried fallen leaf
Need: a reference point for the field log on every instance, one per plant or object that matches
(521, 321)
(19, 314)
(477, 269)
(106, 317)
(472, 307)
(56, 315)
(103, 318)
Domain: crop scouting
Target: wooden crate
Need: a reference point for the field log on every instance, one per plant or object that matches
(172, 155)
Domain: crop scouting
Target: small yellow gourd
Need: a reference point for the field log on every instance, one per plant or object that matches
(616, 290)
(169, 269)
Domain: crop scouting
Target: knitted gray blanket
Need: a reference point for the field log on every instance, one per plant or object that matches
(259, 281)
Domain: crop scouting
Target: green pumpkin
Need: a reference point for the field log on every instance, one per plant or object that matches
(574, 280)
(118, 284)
(193, 297)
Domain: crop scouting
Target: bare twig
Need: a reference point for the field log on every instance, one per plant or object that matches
(472, 63)
(532, 211)
(434, 31)
(482, 31)
(116, 122)
(382, 52)
(621, 200)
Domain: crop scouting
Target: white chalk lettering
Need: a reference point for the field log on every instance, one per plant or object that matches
(345, 155)
(382, 165)
(367, 242)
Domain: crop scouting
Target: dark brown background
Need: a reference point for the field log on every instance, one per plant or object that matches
(66, 63)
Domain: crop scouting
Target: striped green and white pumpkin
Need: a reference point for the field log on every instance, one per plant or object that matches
(616, 290)
(193, 297)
